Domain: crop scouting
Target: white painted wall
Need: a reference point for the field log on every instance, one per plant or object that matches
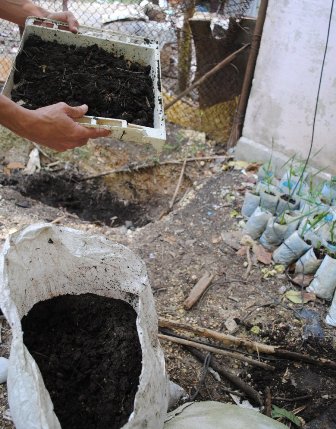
(284, 91)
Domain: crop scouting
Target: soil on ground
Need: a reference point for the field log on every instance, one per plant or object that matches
(88, 351)
(112, 87)
(178, 247)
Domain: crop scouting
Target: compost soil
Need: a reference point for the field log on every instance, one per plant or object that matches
(89, 354)
(90, 200)
(112, 87)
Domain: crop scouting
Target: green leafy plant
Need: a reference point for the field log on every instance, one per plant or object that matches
(278, 412)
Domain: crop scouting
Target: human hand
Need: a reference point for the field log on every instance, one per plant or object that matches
(67, 17)
(54, 126)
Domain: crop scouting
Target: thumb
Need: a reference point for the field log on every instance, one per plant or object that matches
(76, 112)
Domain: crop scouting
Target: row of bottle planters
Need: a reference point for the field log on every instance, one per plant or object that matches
(296, 231)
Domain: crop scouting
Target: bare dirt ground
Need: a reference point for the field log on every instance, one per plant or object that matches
(178, 248)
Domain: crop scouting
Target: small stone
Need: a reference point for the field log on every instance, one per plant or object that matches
(231, 325)
(282, 290)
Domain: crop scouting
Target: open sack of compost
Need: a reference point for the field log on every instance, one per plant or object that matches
(57, 287)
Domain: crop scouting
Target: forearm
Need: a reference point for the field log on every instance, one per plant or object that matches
(13, 116)
(18, 10)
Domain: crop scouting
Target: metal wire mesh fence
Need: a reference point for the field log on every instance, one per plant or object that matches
(194, 36)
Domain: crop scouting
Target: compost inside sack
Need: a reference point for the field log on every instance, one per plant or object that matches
(112, 87)
(88, 351)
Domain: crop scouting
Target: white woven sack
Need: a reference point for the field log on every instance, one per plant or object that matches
(44, 261)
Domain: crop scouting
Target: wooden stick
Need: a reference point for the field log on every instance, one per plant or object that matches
(251, 393)
(214, 70)
(299, 357)
(58, 219)
(268, 402)
(238, 120)
(198, 290)
(179, 183)
(130, 168)
(228, 340)
(215, 351)
(249, 263)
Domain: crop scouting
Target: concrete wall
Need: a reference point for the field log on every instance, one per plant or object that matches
(284, 91)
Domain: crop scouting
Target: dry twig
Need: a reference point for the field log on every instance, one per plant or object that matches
(179, 183)
(131, 168)
(198, 290)
(215, 351)
(231, 340)
(251, 393)
(211, 72)
(249, 263)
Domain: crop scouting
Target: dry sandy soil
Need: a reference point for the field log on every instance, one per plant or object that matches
(178, 247)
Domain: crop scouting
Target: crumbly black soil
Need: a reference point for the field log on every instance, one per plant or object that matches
(88, 351)
(112, 87)
(90, 200)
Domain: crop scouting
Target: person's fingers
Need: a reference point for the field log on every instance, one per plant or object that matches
(98, 132)
(67, 17)
(73, 23)
(75, 112)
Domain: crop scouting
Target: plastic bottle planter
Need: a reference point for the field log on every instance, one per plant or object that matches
(324, 283)
(311, 233)
(292, 220)
(257, 223)
(328, 191)
(265, 173)
(251, 202)
(287, 203)
(309, 262)
(293, 184)
(331, 316)
(273, 235)
(269, 200)
(291, 249)
(307, 207)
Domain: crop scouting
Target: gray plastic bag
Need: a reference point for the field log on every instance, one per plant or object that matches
(215, 415)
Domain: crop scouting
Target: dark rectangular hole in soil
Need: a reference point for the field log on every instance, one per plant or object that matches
(112, 87)
(89, 200)
(88, 351)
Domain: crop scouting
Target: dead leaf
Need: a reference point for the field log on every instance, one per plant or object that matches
(238, 165)
(234, 213)
(298, 297)
(171, 239)
(15, 165)
(303, 280)
(262, 254)
(253, 167)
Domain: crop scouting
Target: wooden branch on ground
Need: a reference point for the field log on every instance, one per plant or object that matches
(249, 263)
(215, 351)
(211, 72)
(230, 340)
(131, 168)
(250, 393)
(179, 183)
(268, 402)
(198, 290)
